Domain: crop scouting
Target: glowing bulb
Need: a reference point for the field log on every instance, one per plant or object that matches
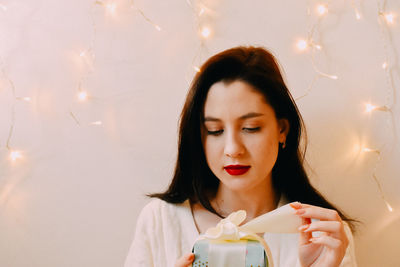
(82, 96)
(96, 123)
(318, 47)
(369, 107)
(82, 54)
(14, 155)
(358, 15)
(389, 207)
(196, 68)
(322, 10)
(205, 32)
(384, 65)
(157, 27)
(111, 7)
(333, 77)
(201, 11)
(302, 44)
(27, 99)
(389, 17)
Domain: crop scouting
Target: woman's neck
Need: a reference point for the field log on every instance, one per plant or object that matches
(255, 201)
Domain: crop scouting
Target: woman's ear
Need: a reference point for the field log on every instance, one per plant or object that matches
(284, 128)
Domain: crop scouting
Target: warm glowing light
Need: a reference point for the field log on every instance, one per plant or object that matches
(318, 47)
(333, 77)
(205, 32)
(302, 44)
(111, 8)
(157, 27)
(96, 123)
(369, 107)
(389, 17)
(389, 207)
(384, 65)
(201, 11)
(14, 155)
(27, 99)
(82, 96)
(196, 68)
(358, 15)
(322, 10)
(82, 54)
(366, 149)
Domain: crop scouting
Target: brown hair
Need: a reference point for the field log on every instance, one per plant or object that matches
(193, 178)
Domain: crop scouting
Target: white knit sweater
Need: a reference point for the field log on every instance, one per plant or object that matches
(165, 232)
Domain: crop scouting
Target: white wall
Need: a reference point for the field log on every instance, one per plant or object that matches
(73, 198)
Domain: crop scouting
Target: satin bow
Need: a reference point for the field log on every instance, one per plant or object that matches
(280, 220)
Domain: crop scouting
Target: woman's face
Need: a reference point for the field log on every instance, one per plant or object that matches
(241, 135)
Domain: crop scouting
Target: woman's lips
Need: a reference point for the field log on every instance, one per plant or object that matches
(236, 169)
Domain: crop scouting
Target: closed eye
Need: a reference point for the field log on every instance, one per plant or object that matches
(215, 132)
(252, 130)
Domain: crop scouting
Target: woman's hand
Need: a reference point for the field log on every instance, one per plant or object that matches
(326, 250)
(185, 260)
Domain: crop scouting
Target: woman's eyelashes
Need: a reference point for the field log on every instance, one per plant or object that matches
(249, 130)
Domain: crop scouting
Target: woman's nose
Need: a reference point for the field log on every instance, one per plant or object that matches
(233, 146)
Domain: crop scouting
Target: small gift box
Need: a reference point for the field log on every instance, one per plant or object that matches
(249, 253)
(231, 245)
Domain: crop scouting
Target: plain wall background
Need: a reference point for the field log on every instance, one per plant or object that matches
(74, 196)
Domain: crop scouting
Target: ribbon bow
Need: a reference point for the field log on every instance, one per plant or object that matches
(280, 220)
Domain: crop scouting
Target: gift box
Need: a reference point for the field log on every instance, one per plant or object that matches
(231, 245)
(246, 253)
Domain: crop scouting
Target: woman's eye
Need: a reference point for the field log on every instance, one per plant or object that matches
(252, 130)
(215, 132)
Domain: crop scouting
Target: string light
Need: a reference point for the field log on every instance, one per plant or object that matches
(96, 123)
(133, 6)
(370, 107)
(26, 99)
(82, 96)
(366, 149)
(15, 155)
(196, 68)
(384, 65)
(302, 44)
(205, 32)
(389, 17)
(322, 9)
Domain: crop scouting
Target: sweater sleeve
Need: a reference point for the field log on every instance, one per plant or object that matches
(140, 253)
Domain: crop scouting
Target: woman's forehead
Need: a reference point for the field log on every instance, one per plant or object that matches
(236, 99)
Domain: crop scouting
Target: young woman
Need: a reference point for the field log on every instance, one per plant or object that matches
(239, 149)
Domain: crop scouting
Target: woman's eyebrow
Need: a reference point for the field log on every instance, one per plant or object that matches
(245, 116)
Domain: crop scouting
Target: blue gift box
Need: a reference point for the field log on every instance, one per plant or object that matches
(254, 253)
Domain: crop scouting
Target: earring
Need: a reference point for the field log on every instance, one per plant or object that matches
(283, 144)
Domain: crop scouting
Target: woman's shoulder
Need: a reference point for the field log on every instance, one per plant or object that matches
(158, 209)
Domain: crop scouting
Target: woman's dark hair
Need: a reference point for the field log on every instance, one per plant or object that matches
(193, 178)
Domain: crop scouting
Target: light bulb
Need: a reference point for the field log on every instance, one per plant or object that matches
(369, 107)
(157, 27)
(205, 32)
(82, 96)
(389, 207)
(384, 65)
(196, 68)
(14, 155)
(111, 8)
(302, 44)
(96, 123)
(389, 17)
(322, 10)
(358, 15)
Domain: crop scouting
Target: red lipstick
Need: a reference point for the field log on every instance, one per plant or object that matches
(236, 169)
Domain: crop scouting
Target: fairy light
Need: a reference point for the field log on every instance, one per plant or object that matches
(205, 32)
(389, 17)
(370, 107)
(384, 65)
(26, 99)
(321, 9)
(111, 8)
(302, 45)
(196, 68)
(367, 149)
(15, 155)
(96, 123)
(82, 96)
(156, 26)
(358, 15)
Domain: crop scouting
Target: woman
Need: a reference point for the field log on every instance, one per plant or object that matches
(239, 148)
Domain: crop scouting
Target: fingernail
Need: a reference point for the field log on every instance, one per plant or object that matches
(312, 239)
(300, 212)
(303, 227)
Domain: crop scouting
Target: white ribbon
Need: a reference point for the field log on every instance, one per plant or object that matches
(280, 220)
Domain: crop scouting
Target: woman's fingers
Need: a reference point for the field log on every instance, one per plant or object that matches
(314, 212)
(305, 236)
(185, 260)
(328, 241)
(334, 228)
